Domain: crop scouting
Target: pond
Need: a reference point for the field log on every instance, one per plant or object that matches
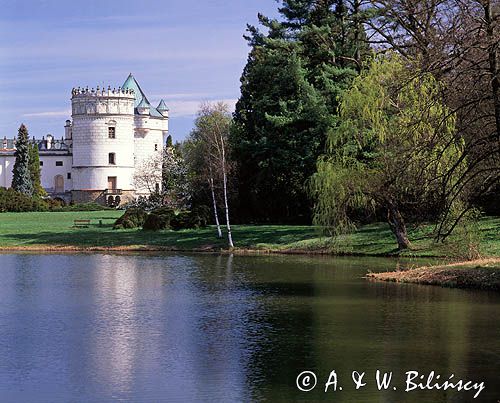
(103, 327)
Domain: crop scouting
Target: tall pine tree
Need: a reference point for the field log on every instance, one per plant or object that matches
(21, 180)
(288, 105)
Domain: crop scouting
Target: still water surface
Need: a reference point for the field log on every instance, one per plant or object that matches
(97, 328)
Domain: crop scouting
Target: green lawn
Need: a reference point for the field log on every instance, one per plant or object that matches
(56, 229)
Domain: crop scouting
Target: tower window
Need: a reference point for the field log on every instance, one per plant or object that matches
(156, 147)
(59, 163)
(112, 158)
(111, 132)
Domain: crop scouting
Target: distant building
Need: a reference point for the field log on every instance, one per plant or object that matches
(111, 133)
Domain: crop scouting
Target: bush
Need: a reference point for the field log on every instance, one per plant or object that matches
(132, 218)
(159, 219)
(12, 201)
(167, 218)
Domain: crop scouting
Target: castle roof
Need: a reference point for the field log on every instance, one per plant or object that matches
(140, 98)
(162, 106)
(144, 103)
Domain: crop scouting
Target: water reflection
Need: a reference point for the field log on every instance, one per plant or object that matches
(228, 328)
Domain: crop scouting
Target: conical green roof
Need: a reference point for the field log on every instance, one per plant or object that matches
(144, 103)
(132, 84)
(140, 98)
(162, 106)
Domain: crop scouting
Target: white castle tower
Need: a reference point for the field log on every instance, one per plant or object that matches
(103, 144)
(113, 132)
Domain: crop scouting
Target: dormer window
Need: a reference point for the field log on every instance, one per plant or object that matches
(111, 132)
(112, 159)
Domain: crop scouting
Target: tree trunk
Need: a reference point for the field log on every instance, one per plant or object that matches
(226, 204)
(217, 223)
(398, 226)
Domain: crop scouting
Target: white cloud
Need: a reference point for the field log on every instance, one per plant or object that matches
(61, 113)
(190, 108)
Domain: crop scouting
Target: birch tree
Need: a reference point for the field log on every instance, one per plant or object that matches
(210, 138)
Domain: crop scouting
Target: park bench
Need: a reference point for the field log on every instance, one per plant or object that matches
(81, 223)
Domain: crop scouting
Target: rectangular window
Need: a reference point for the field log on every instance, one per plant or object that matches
(41, 163)
(69, 175)
(156, 147)
(111, 132)
(111, 159)
(59, 163)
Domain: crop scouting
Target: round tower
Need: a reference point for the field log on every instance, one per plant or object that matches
(103, 145)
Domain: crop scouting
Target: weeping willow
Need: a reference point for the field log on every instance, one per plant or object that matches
(395, 145)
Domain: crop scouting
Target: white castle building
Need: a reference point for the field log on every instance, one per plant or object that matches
(112, 132)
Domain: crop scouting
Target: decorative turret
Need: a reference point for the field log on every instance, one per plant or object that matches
(162, 108)
(143, 107)
(67, 130)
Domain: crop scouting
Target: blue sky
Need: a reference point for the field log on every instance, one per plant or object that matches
(185, 51)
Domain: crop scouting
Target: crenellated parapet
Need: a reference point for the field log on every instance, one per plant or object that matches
(103, 101)
(97, 92)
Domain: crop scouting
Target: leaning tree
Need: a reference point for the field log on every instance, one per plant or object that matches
(395, 142)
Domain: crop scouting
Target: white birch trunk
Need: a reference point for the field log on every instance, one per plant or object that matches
(219, 231)
(226, 205)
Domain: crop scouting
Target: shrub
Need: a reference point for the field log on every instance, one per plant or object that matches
(186, 219)
(13, 201)
(159, 219)
(132, 218)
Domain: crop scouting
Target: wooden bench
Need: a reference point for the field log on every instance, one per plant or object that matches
(81, 223)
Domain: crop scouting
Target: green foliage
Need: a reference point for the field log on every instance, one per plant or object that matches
(393, 145)
(14, 201)
(281, 124)
(21, 180)
(167, 218)
(35, 171)
(132, 218)
(159, 219)
(289, 99)
(197, 218)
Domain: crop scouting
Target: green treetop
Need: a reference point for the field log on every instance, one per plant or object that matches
(21, 180)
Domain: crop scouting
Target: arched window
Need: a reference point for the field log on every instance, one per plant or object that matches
(112, 129)
(112, 159)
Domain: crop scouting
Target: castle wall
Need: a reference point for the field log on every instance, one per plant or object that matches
(93, 115)
(6, 165)
(50, 169)
(148, 141)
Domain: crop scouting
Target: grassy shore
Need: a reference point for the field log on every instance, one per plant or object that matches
(55, 231)
(481, 274)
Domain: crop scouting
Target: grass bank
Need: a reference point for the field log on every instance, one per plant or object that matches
(480, 274)
(55, 231)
